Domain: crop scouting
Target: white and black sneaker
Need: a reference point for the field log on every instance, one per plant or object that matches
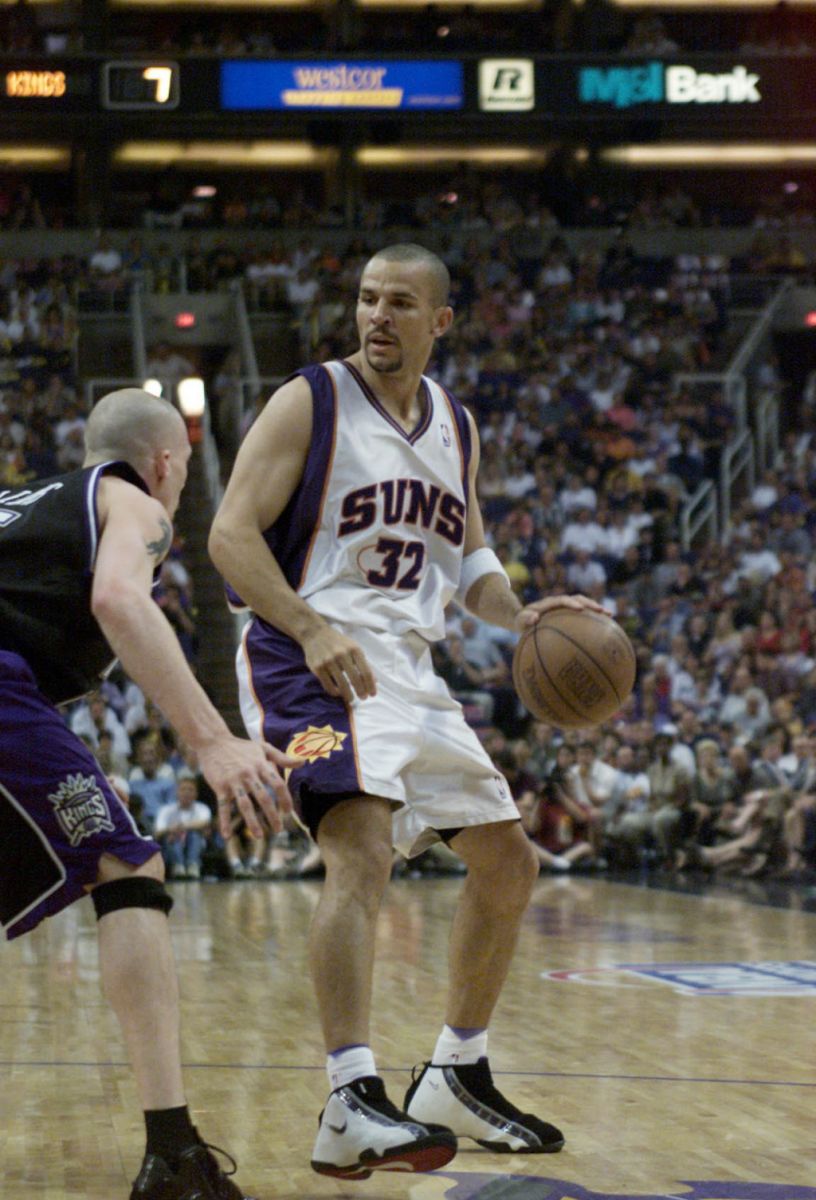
(465, 1098)
(361, 1131)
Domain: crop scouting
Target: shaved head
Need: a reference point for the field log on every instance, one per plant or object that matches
(132, 425)
(410, 252)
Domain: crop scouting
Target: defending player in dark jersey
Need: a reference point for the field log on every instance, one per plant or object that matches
(78, 554)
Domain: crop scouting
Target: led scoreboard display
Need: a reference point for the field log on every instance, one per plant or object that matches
(135, 86)
(741, 92)
(47, 87)
(86, 85)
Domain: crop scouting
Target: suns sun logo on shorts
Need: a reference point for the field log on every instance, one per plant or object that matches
(317, 741)
(81, 808)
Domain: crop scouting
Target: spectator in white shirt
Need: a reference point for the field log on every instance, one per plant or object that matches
(766, 492)
(585, 573)
(582, 533)
(92, 716)
(591, 781)
(301, 291)
(734, 710)
(181, 830)
(520, 480)
(106, 263)
(577, 494)
(758, 562)
(619, 534)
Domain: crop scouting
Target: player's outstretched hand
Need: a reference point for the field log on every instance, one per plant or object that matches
(247, 776)
(531, 613)
(339, 663)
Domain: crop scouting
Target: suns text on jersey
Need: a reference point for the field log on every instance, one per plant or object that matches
(403, 502)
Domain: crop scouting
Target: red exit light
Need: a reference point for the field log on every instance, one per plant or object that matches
(186, 320)
(810, 319)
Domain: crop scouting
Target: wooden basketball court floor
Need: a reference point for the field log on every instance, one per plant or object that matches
(671, 1035)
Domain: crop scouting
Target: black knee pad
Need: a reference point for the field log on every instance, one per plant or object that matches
(135, 891)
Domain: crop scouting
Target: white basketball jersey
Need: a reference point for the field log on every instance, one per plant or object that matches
(374, 533)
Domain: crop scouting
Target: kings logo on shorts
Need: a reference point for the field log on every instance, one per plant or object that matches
(81, 808)
(318, 741)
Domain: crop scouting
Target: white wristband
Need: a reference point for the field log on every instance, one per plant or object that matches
(474, 566)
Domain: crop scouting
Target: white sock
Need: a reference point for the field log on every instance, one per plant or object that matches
(348, 1064)
(452, 1048)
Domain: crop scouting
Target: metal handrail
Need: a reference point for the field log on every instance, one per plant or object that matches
(699, 512)
(740, 359)
(737, 458)
(766, 425)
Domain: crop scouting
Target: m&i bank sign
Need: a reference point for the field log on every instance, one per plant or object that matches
(622, 87)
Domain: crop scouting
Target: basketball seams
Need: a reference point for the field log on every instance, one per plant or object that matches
(578, 713)
(543, 665)
(612, 626)
(569, 638)
(532, 633)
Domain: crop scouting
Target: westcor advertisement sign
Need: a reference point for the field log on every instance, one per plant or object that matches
(342, 85)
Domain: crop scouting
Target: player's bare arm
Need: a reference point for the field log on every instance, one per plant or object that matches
(267, 470)
(489, 597)
(239, 771)
(159, 546)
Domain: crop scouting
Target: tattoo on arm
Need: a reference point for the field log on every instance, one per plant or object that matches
(159, 548)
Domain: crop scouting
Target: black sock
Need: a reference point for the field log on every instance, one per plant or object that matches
(169, 1133)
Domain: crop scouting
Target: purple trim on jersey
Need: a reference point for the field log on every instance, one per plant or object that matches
(293, 701)
(58, 813)
(465, 440)
(91, 518)
(122, 470)
(291, 537)
(424, 421)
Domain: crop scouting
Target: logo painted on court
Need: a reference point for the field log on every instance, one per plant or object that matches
(81, 808)
(705, 979)
(317, 741)
(531, 1187)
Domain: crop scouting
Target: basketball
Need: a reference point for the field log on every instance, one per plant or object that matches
(574, 668)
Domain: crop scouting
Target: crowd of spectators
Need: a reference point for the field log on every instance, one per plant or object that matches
(40, 422)
(42, 427)
(155, 775)
(711, 764)
(589, 449)
(467, 200)
(525, 206)
(158, 779)
(547, 26)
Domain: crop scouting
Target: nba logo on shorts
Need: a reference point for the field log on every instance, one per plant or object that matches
(446, 436)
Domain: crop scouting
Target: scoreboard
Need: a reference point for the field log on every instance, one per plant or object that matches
(735, 93)
(85, 85)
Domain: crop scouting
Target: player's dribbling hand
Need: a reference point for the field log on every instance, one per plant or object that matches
(247, 776)
(531, 613)
(339, 663)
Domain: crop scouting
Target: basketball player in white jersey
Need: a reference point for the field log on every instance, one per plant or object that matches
(349, 523)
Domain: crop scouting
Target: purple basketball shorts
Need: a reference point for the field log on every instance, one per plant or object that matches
(58, 814)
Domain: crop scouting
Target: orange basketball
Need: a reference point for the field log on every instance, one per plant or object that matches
(574, 668)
